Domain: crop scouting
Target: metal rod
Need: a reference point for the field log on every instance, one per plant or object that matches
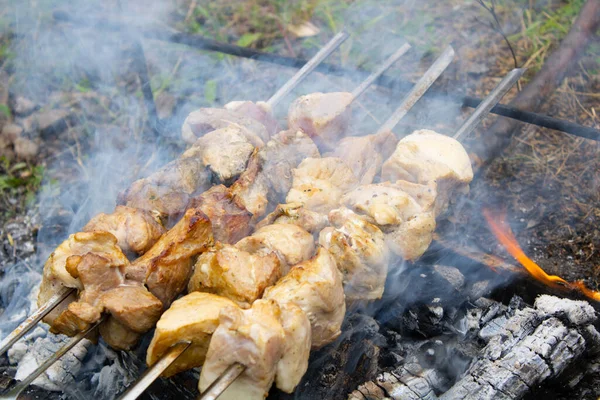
(436, 69)
(154, 371)
(32, 321)
(222, 382)
(13, 393)
(310, 65)
(384, 67)
(489, 102)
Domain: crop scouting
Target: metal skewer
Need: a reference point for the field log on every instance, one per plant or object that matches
(310, 65)
(222, 382)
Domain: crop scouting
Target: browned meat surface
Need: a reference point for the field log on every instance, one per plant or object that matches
(136, 230)
(259, 111)
(235, 274)
(204, 120)
(229, 218)
(166, 267)
(192, 318)
(322, 116)
(252, 188)
(295, 214)
(316, 287)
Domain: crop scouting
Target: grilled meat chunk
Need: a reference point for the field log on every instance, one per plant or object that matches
(192, 318)
(234, 273)
(319, 183)
(295, 214)
(322, 116)
(290, 243)
(252, 188)
(259, 111)
(429, 157)
(136, 230)
(165, 268)
(360, 252)
(257, 339)
(204, 120)
(316, 287)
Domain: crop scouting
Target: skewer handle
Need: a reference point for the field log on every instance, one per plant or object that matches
(32, 321)
(489, 102)
(310, 65)
(154, 371)
(438, 67)
(222, 382)
(384, 67)
(14, 393)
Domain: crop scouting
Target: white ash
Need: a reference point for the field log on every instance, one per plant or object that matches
(578, 312)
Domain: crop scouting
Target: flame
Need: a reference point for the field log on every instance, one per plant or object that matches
(505, 236)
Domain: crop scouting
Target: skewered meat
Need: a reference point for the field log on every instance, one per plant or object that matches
(236, 274)
(322, 116)
(319, 183)
(165, 268)
(229, 218)
(281, 154)
(295, 214)
(252, 188)
(205, 120)
(360, 252)
(192, 318)
(429, 157)
(259, 111)
(316, 287)
(136, 230)
(290, 243)
(408, 224)
(365, 154)
(271, 341)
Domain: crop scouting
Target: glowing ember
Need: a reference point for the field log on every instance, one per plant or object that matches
(504, 234)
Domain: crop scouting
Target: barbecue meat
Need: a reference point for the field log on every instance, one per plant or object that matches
(295, 214)
(319, 183)
(360, 252)
(252, 188)
(408, 222)
(192, 318)
(365, 154)
(235, 274)
(281, 154)
(322, 116)
(290, 243)
(257, 339)
(259, 111)
(229, 218)
(316, 287)
(204, 120)
(165, 268)
(136, 230)
(429, 157)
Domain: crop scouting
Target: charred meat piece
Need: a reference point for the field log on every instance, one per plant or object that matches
(365, 154)
(204, 120)
(229, 218)
(319, 183)
(322, 116)
(235, 274)
(257, 339)
(136, 230)
(290, 243)
(259, 111)
(316, 287)
(166, 267)
(252, 188)
(429, 157)
(360, 252)
(295, 214)
(192, 318)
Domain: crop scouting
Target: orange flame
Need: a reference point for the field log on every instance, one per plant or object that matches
(505, 236)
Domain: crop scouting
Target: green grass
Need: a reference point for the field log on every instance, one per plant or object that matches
(18, 181)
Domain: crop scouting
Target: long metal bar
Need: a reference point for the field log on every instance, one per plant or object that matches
(436, 69)
(14, 393)
(489, 102)
(222, 382)
(310, 65)
(154, 371)
(384, 67)
(36, 317)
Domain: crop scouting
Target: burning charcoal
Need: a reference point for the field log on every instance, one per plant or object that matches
(452, 275)
(577, 312)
